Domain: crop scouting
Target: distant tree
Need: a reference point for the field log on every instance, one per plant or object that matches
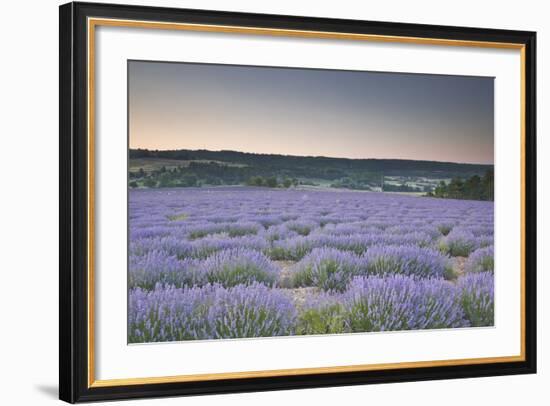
(271, 182)
(403, 187)
(255, 181)
(191, 180)
(150, 182)
(456, 188)
(441, 189)
(165, 179)
(141, 173)
(488, 183)
(133, 184)
(287, 183)
(472, 188)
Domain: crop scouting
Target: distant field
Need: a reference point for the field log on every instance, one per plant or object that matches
(153, 164)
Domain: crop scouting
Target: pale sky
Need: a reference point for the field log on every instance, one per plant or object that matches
(347, 114)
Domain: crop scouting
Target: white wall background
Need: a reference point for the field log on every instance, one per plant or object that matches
(28, 201)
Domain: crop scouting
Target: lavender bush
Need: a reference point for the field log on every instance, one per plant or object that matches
(481, 260)
(209, 245)
(401, 303)
(238, 266)
(459, 243)
(406, 260)
(302, 227)
(209, 312)
(477, 298)
(323, 314)
(293, 249)
(326, 268)
(444, 227)
(156, 267)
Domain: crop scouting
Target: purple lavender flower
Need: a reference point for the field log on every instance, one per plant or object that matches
(209, 245)
(210, 312)
(294, 248)
(477, 298)
(278, 232)
(267, 220)
(326, 268)
(254, 311)
(202, 230)
(243, 228)
(421, 231)
(156, 267)
(444, 226)
(170, 245)
(343, 229)
(169, 314)
(405, 260)
(481, 260)
(459, 243)
(150, 231)
(485, 240)
(238, 266)
(302, 227)
(401, 303)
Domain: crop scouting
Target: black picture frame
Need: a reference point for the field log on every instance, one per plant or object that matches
(74, 200)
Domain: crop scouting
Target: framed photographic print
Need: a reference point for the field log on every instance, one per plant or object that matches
(257, 202)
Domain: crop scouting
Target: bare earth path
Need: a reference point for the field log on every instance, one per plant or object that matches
(299, 295)
(458, 265)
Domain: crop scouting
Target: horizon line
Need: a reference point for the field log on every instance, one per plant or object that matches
(310, 156)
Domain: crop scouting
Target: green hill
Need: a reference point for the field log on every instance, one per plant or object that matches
(181, 168)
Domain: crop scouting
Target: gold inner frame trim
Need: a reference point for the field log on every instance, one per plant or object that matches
(94, 22)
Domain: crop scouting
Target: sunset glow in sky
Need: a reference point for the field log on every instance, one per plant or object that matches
(347, 114)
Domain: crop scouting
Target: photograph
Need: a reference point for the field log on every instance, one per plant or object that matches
(254, 201)
(282, 201)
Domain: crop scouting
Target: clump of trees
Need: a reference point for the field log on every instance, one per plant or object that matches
(402, 188)
(472, 188)
(271, 181)
(189, 176)
(163, 177)
(359, 181)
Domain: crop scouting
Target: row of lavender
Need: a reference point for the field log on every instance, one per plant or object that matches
(226, 263)
(325, 268)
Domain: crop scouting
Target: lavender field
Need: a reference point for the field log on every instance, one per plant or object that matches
(233, 262)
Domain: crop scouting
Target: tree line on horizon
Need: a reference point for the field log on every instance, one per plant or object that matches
(313, 166)
(472, 188)
(161, 169)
